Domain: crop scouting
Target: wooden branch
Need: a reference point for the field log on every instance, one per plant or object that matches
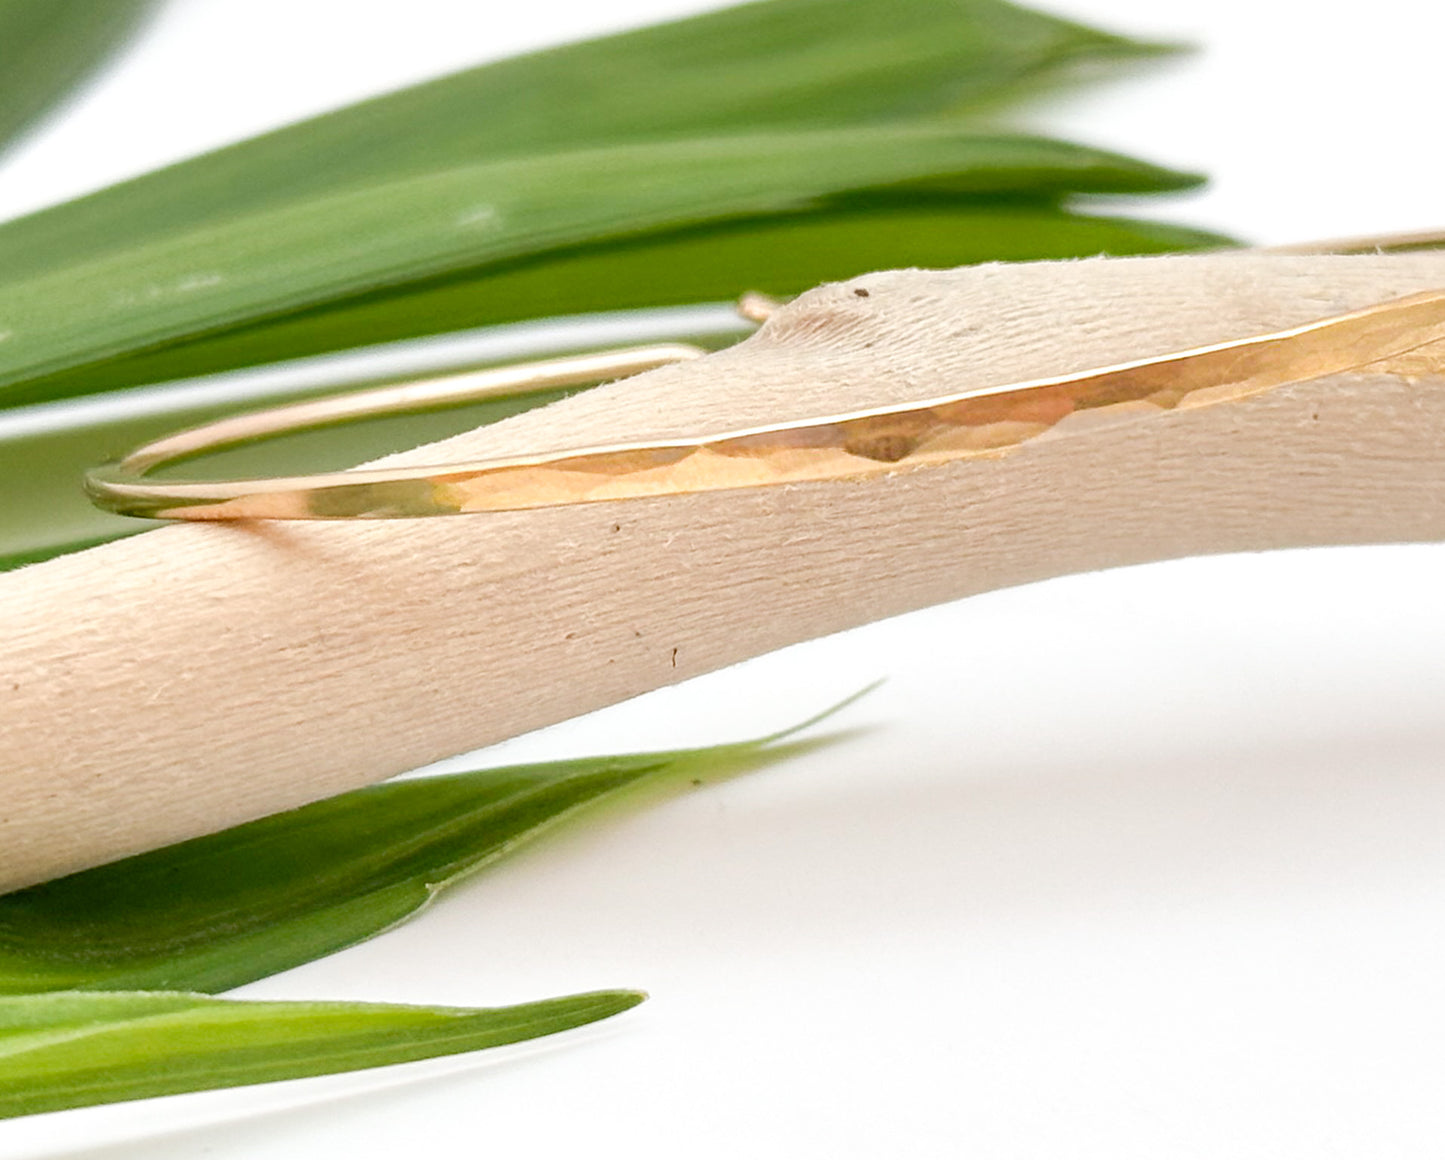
(198, 676)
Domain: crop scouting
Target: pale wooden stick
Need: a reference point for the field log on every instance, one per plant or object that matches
(194, 677)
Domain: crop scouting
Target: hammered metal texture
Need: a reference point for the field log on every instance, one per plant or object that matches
(1403, 336)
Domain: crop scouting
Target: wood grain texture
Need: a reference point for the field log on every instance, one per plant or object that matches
(198, 676)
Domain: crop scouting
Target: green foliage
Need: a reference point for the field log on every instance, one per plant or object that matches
(73, 1049)
(48, 46)
(471, 218)
(780, 64)
(770, 112)
(223, 910)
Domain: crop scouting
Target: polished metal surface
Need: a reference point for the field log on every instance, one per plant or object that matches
(1394, 336)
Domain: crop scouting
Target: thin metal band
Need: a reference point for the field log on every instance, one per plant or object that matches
(1405, 243)
(1387, 337)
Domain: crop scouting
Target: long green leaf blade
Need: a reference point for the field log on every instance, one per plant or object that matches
(780, 255)
(376, 239)
(48, 46)
(775, 64)
(223, 910)
(70, 1050)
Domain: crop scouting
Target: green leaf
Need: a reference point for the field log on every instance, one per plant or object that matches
(758, 110)
(780, 255)
(48, 46)
(71, 1050)
(223, 910)
(441, 224)
(772, 65)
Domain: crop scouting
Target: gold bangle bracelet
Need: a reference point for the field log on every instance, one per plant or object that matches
(852, 445)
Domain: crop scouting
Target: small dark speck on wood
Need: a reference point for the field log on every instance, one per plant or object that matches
(674, 658)
(860, 292)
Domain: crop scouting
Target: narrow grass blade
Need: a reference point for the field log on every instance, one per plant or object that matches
(48, 46)
(255, 267)
(70, 1050)
(775, 64)
(223, 910)
(781, 255)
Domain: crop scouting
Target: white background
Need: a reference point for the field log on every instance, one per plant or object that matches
(1139, 864)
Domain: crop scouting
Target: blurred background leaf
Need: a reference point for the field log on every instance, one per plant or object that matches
(47, 47)
(787, 254)
(749, 68)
